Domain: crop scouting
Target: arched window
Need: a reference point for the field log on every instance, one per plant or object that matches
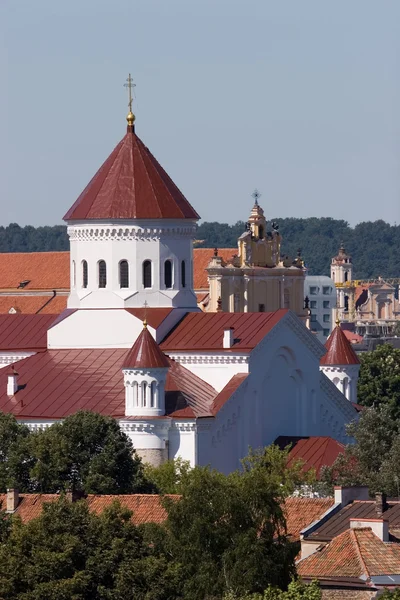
(123, 274)
(183, 274)
(168, 274)
(144, 390)
(261, 232)
(135, 393)
(346, 275)
(84, 274)
(153, 394)
(73, 274)
(147, 274)
(102, 274)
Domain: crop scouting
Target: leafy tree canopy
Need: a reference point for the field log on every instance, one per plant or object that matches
(296, 591)
(85, 452)
(318, 238)
(379, 380)
(374, 460)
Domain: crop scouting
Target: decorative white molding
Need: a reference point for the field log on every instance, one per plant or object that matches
(184, 426)
(10, 358)
(208, 359)
(99, 233)
(145, 426)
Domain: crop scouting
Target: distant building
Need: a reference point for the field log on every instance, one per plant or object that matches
(321, 294)
(372, 305)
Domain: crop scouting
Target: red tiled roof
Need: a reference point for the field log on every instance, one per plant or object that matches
(146, 508)
(359, 509)
(204, 331)
(315, 451)
(301, 512)
(131, 184)
(154, 316)
(353, 553)
(24, 304)
(201, 258)
(339, 350)
(145, 353)
(352, 337)
(43, 270)
(24, 332)
(57, 383)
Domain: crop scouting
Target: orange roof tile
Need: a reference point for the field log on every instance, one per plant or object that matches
(353, 338)
(353, 553)
(29, 305)
(146, 508)
(339, 350)
(201, 258)
(301, 512)
(43, 270)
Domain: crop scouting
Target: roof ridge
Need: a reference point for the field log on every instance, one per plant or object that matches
(358, 550)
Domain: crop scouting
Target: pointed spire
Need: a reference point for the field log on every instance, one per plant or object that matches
(145, 353)
(339, 349)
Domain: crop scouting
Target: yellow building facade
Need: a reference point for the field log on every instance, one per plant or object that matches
(257, 278)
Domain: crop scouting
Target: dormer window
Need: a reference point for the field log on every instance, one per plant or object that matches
(102, 274)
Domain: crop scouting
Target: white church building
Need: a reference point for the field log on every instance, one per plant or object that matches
(133, 344)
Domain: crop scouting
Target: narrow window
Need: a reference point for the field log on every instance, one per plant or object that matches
(102, 274)
(183, 273)
(346, 276)
(123, 274)
(168, 274)
(153, 394)
(147, 274)
(261, 232)
(144, 390)
(84, 274)
(73, 274)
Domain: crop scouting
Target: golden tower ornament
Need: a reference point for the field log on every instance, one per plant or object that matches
(130, 117)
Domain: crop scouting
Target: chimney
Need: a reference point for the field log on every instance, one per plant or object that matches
(380, 527)
(12, 381)
(345, 495)
(228, 338)
(380, 503)
(12, 500)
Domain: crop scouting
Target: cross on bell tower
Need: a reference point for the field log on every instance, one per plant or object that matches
(130, 86)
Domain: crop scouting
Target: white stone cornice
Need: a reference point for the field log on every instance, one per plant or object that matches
(98, 233)
(208, 359)
(145, 425)
(183, 426)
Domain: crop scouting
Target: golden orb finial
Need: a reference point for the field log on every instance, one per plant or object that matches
(130, 117)
(337, 321)
(145, 323)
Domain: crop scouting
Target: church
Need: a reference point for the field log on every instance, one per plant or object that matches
(134, 345)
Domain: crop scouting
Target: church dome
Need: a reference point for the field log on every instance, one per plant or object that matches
(131, 184)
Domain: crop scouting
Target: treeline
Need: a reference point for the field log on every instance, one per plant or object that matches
(375, 246)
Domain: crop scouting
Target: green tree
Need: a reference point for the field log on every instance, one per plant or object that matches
(168, 477)
(379, 380)
(390, 595)
(69, 553)
(228, 533)
(88, 452)
(296, 591)
(374, 460)
(15, 456)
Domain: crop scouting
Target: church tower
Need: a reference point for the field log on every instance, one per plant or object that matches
(145, 373)
(342, 267)
(341, 364)
(131, 233)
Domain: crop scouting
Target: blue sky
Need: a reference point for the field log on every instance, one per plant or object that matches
(298, 98)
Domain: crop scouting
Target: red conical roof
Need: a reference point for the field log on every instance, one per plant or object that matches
(131, 184)
(145, 353)
(339, 350)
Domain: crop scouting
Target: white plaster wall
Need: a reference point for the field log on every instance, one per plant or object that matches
(134, 241)
(344, 377)
(96, 329)
(215, 369)
(183, 441)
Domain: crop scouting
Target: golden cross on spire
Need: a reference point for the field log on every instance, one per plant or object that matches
(130, 85)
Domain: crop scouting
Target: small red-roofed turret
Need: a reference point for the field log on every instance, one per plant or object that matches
(341, 364)
(145, 370)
